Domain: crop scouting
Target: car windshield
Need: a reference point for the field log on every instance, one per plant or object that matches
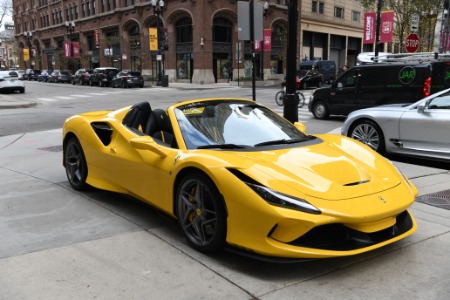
(233, 125)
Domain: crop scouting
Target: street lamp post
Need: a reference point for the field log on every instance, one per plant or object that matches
(158, 11)
(29, 37)
(70, 29)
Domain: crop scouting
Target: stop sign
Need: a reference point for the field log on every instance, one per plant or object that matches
(412, 42)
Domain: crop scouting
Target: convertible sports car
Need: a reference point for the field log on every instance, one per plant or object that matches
(420, 129)
(235, 174)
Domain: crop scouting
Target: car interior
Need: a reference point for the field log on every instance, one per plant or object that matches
(142, 120)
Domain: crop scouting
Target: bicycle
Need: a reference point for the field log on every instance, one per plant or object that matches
(279, 98)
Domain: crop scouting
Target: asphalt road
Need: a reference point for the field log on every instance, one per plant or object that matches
(56, 243)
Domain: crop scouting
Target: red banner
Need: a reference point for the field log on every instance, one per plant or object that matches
(76, 49)
(96, 40)
(369, 28)
(67, 50)
(267, 40)
(387, 26)
(257, 45)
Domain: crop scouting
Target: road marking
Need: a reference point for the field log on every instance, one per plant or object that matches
(96, 94)
(63, 97)
(46, 99)
(80, 96)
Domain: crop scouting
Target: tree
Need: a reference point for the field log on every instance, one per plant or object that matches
(6, 9)
(404, 10)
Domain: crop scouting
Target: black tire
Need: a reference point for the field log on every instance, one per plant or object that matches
(279, 98)
(301, 100)
(201, 213)
(75, 164)
(369, 133)
(141, 86)
(22, 90)
(320, 110)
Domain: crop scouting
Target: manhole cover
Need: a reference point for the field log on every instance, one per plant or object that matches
(439, 199)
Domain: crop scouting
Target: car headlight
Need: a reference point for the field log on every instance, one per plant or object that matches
(279, 199)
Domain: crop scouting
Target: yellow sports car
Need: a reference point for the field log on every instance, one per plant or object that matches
(235, 174)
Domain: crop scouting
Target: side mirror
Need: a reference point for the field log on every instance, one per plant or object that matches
(147, 143)
(300, 126)
(421, 108)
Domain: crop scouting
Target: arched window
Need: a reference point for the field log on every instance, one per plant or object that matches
(183, 29)
(222, 48)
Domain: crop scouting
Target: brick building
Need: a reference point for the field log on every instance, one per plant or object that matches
(201, 36)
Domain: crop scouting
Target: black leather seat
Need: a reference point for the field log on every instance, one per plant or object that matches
(159, 127)
(137, 118)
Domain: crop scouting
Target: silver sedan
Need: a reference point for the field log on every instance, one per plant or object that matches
(420, 129)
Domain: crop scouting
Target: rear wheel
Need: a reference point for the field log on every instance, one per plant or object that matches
(201, 213)
(75, 164)
(369, 133)
(301, 100)
(320, 110)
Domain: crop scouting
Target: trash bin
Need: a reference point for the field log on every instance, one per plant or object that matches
(165, 81)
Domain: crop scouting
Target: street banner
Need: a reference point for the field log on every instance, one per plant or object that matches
(257, 45)
(369, 28)
(67, 50)
(26, 54)
(96, 38)
(76, 49)
(267, 40)
(153, 38)
(387, 26)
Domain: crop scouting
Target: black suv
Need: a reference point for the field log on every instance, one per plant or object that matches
(31, 74)
(377, 84)
(102, 76)
(82, 76)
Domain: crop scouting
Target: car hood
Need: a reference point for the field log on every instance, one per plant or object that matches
(337, 168)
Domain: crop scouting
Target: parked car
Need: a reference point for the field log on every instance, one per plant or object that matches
(418, 129)
(60, 76)
(43, 76)
(376, 84)
(325, 67)
(21, 74)
(311, 78)
(9, 82)
(31, 74)
(234, 173)
(125, 79)
(81, 76)
(102, 76)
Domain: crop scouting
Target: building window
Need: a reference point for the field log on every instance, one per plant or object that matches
(317, 7)
(338, 12)
(67, 14)
(88, 8)
(93, 8)
(75, 8)
(103, 6)
(356, 16)
(83, 10)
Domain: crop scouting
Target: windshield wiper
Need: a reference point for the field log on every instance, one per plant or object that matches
(279, 142)
(222, 146)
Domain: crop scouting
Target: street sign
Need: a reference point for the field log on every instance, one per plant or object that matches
(415, 23)
(412, 42)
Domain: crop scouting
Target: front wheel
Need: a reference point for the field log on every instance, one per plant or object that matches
(320, 110)
(279, 98)
(301, 100)
(369, 133)
(75, 164)
(201, 213)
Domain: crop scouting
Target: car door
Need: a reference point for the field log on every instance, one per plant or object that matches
(344, 93)
(427, 129)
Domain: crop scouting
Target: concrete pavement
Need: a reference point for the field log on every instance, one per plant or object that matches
(56, 243)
